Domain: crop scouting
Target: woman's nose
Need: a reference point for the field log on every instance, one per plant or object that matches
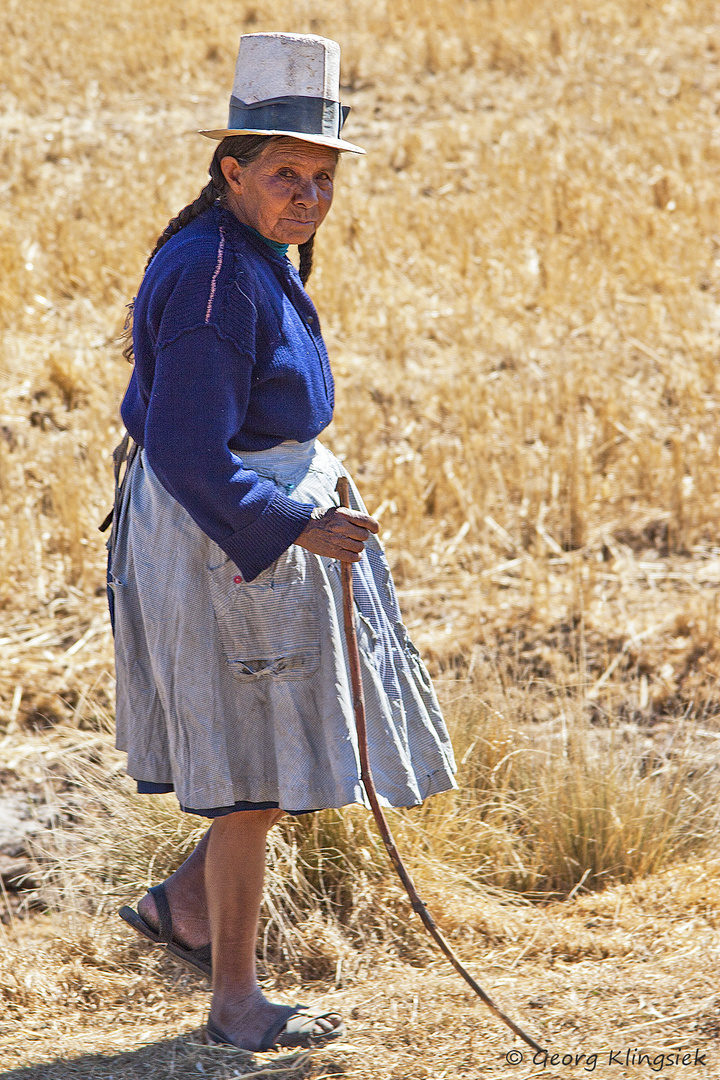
(306, 193)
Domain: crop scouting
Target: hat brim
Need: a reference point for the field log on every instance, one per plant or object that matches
(318, 140)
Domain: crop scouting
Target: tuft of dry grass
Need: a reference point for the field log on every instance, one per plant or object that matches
(572, 810)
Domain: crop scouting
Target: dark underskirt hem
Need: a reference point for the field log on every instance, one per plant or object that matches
(147, 787)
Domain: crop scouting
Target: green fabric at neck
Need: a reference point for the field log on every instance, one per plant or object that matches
(282, 249)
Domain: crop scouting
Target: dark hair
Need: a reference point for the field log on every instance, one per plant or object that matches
(245, 149)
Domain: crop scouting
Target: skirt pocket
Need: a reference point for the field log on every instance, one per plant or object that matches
(269, 627)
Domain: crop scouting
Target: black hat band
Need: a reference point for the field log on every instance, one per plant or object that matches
(306, 115)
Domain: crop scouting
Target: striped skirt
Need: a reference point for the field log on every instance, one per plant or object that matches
(236, 694)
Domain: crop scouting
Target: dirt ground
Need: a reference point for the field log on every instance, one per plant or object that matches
(627, 971)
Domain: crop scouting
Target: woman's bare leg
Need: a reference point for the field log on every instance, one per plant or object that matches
(185, 891)
(234, 872)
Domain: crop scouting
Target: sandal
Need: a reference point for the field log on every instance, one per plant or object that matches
(292, 1030)
(199, 959)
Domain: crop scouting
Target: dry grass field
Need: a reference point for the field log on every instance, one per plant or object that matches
(520, 291)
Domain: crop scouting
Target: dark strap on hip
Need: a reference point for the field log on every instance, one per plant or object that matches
(125, 451)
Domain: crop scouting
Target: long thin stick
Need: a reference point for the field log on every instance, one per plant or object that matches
(418, 906)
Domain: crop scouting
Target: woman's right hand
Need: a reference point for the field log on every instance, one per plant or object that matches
(337, 533)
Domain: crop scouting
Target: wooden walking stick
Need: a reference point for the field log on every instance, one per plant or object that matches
(418, 906)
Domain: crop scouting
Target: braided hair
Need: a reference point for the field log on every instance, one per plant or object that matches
(245, 149)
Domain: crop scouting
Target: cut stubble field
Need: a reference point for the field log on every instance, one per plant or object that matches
(520, 291)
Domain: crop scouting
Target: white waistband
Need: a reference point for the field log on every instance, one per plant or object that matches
(285, 463)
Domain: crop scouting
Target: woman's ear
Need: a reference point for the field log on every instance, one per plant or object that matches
(232, 171)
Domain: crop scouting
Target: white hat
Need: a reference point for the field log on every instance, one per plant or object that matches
(288, 84)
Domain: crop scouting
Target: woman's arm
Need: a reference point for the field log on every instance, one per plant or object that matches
(200, 392)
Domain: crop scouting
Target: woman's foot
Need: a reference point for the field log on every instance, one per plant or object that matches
(190, 924)
(185, 894)
(254, 1023)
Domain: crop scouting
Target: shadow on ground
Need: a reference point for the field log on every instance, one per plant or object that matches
(184, 1058)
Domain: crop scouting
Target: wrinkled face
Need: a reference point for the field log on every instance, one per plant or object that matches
(286, 192)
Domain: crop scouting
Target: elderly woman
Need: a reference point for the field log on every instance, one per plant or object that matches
(232, 686)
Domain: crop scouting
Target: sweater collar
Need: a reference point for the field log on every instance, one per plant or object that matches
(261, 243)
(280, 249)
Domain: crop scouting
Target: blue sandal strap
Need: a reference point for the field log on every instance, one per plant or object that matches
(165, 933)
(271, 1035)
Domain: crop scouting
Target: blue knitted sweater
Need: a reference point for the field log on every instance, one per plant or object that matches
(228, 357)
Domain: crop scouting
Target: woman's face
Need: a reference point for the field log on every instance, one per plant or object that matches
(286, 192)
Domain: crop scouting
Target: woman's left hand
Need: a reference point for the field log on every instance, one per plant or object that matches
(337, 533)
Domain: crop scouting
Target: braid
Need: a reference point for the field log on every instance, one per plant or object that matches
(306, 258)
(204, 201)
(244, 148)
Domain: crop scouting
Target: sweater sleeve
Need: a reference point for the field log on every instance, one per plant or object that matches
(199, 398)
